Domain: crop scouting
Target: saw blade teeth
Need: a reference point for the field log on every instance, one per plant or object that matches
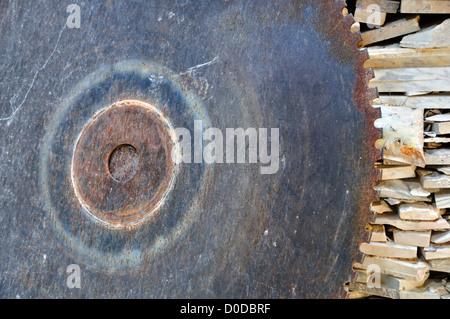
(363, 98)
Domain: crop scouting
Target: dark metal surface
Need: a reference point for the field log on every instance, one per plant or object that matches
(122, 166)
(224, 230)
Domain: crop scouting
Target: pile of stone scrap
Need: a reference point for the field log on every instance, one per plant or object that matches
(408, 44)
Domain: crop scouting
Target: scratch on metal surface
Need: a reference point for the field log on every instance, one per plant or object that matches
(10, 118)
(198, 66)
(198, 83)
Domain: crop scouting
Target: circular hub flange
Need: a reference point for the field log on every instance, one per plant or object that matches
(122, 167)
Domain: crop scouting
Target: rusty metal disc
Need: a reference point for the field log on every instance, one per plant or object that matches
(87, 179)
(122, 167)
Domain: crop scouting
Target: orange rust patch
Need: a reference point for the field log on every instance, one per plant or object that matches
(409, 151)
(413, 152)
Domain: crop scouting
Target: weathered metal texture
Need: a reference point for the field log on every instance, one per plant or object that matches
(122, 167)
(223, 230)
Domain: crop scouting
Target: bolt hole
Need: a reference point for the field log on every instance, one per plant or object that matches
(123, 163)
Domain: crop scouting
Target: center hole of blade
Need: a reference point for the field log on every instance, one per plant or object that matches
(123, 163)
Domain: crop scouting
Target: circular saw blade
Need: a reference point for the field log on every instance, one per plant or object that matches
(224, 230)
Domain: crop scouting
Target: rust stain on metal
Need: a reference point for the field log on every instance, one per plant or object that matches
(122, 166)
